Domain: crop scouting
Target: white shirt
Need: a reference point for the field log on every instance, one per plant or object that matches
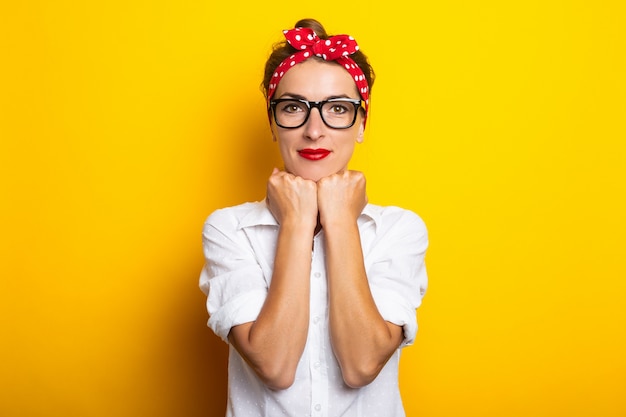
(239, 247)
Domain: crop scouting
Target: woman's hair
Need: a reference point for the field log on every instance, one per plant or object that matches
(283, 50)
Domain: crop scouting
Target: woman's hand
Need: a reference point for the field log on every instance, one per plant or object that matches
(292, 198)
(341, 197)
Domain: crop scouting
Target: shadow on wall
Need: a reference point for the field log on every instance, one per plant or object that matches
(198, 358)
(252, 152)
(192, 360)
(210, 366)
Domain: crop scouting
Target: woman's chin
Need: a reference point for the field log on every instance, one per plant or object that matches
(311, 177)
(315, 174)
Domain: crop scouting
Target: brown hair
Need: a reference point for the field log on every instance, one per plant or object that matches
(283, 50)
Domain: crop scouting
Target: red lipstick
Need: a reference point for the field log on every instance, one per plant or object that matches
(314, 154)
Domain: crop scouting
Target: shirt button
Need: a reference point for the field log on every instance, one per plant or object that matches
(316, 365)
(316, 319)
(317, 275)
(318, 407)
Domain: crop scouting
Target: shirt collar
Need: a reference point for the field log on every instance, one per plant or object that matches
(370, 213)
(260, 215)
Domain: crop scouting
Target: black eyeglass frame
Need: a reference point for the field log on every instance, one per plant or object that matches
(318, 105)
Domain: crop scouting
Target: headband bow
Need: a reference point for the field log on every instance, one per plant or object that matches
(336, 48)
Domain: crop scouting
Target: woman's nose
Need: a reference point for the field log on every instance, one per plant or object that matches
(314, 127)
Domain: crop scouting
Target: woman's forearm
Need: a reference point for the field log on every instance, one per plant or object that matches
(272, 345)
(362, 340)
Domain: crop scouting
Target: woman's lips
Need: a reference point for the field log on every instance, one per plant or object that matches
(314, 154)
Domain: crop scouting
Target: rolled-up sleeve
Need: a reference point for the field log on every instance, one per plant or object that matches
(396, 270)
(231, 278)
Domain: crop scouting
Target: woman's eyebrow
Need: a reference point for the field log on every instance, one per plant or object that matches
(340, 96)
(292, 95)
(301, 97)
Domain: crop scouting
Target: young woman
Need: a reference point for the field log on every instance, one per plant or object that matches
(314, 289)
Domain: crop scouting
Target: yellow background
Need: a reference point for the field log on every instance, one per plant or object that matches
(123, 124)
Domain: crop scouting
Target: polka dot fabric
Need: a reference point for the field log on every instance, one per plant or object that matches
(336, 48)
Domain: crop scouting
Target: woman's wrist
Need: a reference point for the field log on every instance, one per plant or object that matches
(299, 224)
(339, 225)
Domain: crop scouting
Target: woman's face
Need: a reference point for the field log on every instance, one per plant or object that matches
(314, 150)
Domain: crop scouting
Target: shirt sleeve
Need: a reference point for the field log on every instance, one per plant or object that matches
(396, 270)
(231, 278)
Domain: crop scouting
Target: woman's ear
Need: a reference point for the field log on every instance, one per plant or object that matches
(361, 134)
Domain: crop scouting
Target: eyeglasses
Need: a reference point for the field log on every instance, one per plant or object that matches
(336, 113)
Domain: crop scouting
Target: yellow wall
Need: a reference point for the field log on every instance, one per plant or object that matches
(123, 125)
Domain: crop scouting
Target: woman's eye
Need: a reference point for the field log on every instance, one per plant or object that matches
(292, 108)
(338, 109)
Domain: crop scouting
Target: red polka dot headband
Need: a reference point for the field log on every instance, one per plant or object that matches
(336, 48)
